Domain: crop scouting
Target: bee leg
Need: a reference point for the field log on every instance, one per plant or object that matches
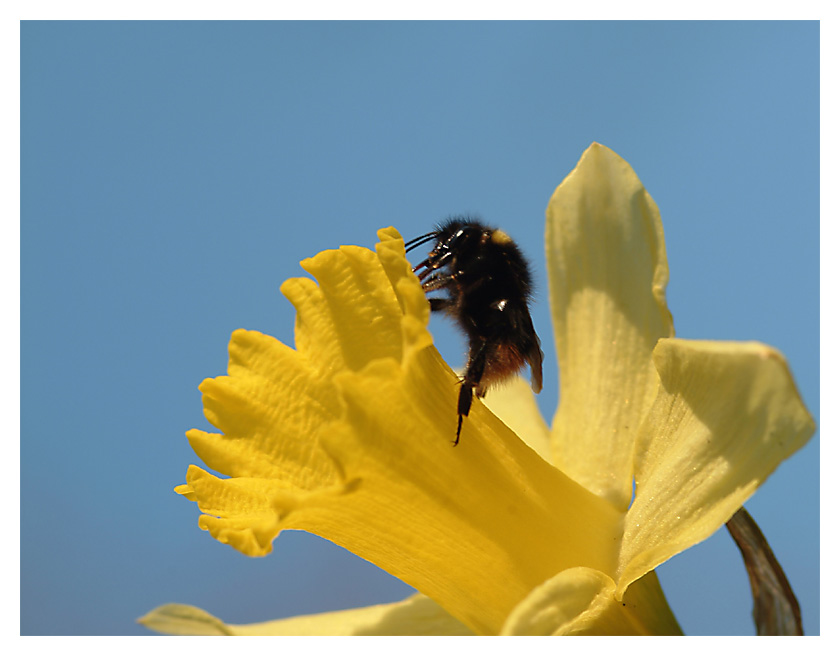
(475, 369)
(430, 264)
(464, 402)
(438, 281)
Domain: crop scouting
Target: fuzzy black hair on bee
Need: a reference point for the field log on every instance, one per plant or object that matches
(486, 286)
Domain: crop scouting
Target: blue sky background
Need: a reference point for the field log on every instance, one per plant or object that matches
(174, 174)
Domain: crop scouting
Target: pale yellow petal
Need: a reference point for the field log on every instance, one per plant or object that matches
(581, 601)
(725, 416)
(607, 274)
(415, 616)
(515, 404)
(181, 619)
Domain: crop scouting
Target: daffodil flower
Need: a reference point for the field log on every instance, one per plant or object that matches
(522, 528)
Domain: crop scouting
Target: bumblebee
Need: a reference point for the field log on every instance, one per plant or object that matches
(487, 288)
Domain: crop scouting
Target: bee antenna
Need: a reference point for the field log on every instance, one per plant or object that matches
(422, 239)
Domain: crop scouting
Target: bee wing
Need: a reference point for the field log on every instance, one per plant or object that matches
(529, 347)
(535, 359)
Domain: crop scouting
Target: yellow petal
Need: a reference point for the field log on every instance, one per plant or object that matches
(275, 398)
(725, 416)
(181, 619)
(370, 463)
(261, 436)
(607, 274)
(417, 615)
(515, 404)
(581, 601)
